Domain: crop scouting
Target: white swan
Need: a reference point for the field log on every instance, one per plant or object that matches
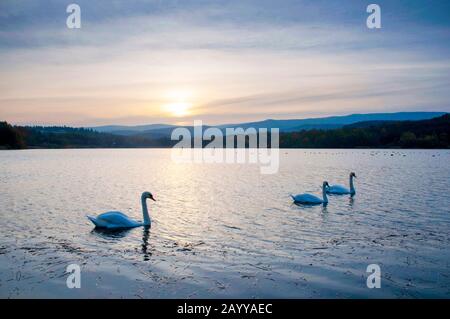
(116, 220)
(310, 199)
(341, 190)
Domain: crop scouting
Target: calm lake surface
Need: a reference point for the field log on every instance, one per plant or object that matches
(225, 230)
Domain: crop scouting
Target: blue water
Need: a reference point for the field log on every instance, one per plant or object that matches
(225, 230)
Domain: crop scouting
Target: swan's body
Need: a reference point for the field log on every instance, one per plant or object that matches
(117, 220)
(310, 199)
(114, 220)
(338, 190)
(341, 190)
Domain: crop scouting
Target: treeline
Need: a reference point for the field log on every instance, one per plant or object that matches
(16, 137)
(433, 133)
(11, 137)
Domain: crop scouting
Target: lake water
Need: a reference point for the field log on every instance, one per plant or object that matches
(225, 230)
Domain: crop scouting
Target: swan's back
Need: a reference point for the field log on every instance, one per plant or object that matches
(113, 219)
(338, 189)
(112, 214)
(306, 198)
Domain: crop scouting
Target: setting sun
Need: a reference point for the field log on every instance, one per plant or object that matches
(177, 102)
(178, 108)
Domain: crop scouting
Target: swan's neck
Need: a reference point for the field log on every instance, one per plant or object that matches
(147, 220)
(324, 194)
(352, 188)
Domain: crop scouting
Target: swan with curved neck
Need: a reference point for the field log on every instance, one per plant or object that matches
(117, 220)
(341, 190)
(310, 199)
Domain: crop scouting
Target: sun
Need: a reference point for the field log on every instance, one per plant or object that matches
(178, 109)
(177, 103)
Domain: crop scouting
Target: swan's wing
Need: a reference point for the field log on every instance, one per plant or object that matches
(339, 189)
(111, 213)
(312, 198)
(306, 198)
(115, 219)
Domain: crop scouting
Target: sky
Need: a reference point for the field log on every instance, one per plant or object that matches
(165, 61)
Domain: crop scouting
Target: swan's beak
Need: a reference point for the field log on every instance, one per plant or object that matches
(153, 199)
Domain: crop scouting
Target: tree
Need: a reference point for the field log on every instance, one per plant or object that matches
(408, 139)
(10, 137)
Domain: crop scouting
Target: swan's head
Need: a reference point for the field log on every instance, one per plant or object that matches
(148, 195)
(325, 184)
(352, 175)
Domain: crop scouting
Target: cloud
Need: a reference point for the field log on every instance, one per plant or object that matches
(239, 59)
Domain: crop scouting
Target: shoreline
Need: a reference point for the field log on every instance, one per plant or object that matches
(162, 148)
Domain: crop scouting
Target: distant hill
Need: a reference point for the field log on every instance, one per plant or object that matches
(129, 130)
(333, 122)
(430, 133)
(367, 124)
(325, 123)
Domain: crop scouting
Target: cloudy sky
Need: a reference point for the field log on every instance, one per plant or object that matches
(164, 61)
